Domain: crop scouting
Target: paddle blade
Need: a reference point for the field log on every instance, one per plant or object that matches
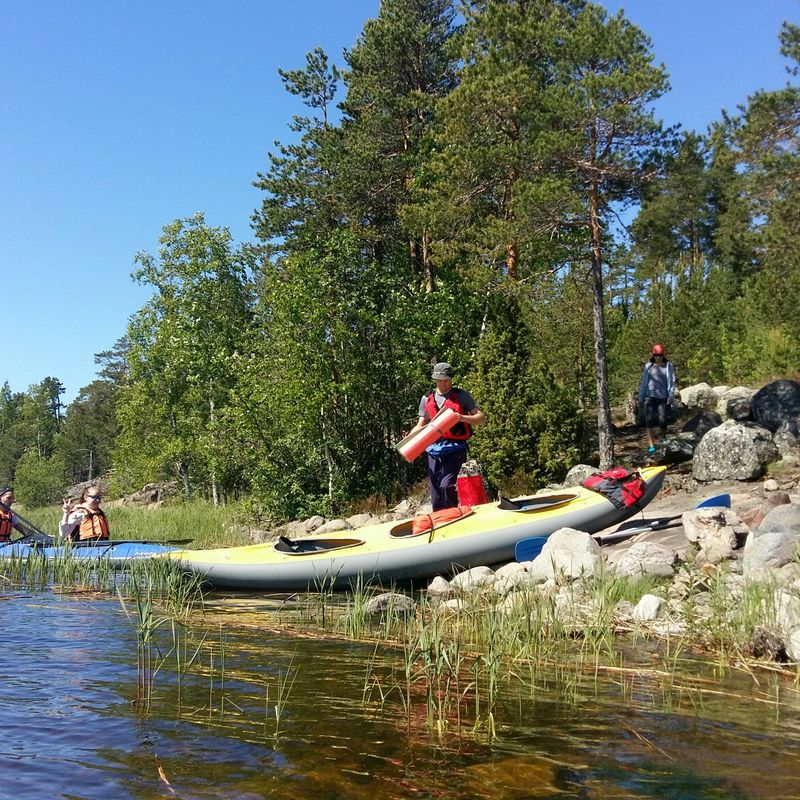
(718, 501)
(528, 549)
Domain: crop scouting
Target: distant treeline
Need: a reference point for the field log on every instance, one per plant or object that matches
(491, 189)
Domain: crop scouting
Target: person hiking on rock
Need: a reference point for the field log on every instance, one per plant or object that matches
(656, 392)
(447, 455)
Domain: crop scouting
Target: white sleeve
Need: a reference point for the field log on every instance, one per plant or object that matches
(66, 528)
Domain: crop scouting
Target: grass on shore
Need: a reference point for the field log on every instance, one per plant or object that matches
(198, 520)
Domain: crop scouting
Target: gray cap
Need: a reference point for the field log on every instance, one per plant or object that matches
(442, 372)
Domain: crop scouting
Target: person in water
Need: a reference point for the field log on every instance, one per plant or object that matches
(85, 521)
(656, 393)
(8, 520)
(447, 455)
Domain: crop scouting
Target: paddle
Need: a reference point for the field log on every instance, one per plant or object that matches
(114, 542)
(528, 549)
(33, 533)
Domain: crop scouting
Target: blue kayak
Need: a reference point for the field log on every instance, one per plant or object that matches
(115, 551)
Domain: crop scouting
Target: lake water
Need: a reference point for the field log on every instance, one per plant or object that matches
(72, 726)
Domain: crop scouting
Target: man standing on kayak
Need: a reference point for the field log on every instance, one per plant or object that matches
(447, 455)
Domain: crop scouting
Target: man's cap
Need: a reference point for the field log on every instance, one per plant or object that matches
(5, 490)
(442, 372)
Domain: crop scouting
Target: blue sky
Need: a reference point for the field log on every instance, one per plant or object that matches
(119, 117)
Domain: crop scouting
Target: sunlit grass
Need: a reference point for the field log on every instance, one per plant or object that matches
(199, 520)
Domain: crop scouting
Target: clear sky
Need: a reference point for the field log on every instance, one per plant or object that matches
(119, 117)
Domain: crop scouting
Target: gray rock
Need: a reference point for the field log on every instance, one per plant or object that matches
(509, 570)
(646, 558)
(739, 409)
(390, 602)
(784, 517)
(360, 520)
(733, 451)
(699, 397)
(730, 400)
(787, 438)
(766, 643)
(700, 424)
(578, 474)
(332, 526)
(777, 403)
(309, 525)
(770, 550)
(647, 608)
(787, 606)
(439, 587)
(716, 523)
(569, 553)
(472, 579)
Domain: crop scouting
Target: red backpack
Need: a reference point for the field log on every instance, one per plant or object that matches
(622, 488)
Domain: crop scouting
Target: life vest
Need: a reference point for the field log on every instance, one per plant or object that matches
(94, 525)
(6, 518)
(423, 523)
(460, 430)
(622, 488)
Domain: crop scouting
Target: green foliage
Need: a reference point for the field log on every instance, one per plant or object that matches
(533, 422)
(461, 204)
(183, 348)
(39, 481)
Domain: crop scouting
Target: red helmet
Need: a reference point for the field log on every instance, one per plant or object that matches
(658, 349)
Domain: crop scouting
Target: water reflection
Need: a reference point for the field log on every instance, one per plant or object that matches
(72, 726)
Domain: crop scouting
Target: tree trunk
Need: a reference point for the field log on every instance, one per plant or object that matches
(512, 257)
(211, 409)
(183, 473)
(427, 263)
(413, 258)
(605, 443)
(328, 456)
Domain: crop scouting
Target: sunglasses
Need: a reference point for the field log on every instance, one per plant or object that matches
(95, 496)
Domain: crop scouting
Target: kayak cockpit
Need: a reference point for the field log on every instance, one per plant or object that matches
(306, 547)
(542, 502)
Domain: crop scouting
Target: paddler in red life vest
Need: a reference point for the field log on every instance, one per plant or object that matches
(8, 522)
(447, 455)
(85, 521)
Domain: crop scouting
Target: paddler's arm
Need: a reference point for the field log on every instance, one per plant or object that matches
(70, 520)
(421, 423)
(475, 417)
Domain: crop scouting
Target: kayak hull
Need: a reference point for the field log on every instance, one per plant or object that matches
(116, 553)
(375, 554)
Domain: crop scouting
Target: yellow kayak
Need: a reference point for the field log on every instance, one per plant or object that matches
(393, 552)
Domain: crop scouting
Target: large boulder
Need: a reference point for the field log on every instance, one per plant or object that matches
(787, 605)
(645, 558)
(733, 451)
(777, 403)
(679, 448)
(578, 474)
(771, 550)
(700, 424)
(782, 517)
(567, 553)
(699, 397)
(787, 439)
(739, 409)
(716, 531)
(736, 399)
